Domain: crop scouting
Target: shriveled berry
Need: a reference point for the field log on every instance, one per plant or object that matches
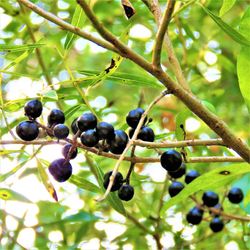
(27, 130)
(105, 130)
(65, 151)
(56, 116)
(194, 216)
(117, 181)
(119, 142)
(171, 160)
(134, 117)
(175, 188)
(126, 192)
(235, 195)
(86, 121)
(179, 173)
(33, 109)
(61, 131)
(73, 126)
(216, 224)
(60, 169)
(191, 175)
(210, 198)
(89, 138)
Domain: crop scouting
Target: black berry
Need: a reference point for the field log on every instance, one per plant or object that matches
(119, 142)
(74, 127)
(194, 216)
(216, 224)
(56, 116)
(179, 173)
(65, 151)
(210, 198)
(235, 195)
(61, 131)
(27, 130)
(89, 138)
(33, 109)
(191, 175)
(60, 169)
(105, 130)
(171, 160)
(145, 134)
(117, 181)
(134, 117)
(175, 188)
(86, 121)
(126, 192)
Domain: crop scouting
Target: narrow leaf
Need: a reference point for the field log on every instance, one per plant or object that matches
(180, 122)
(77, 21)
(235, 35)
(226, 6)
(18, 48)
(72, 110)
(46, 181)
(84, 184)
(8, 194)
(213, 179)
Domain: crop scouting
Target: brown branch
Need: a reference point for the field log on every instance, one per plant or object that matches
(161, 33)
(126, 158)
(67, 26)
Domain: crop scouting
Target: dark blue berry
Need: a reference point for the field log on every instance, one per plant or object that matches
(105, 130)
(33, 109)
(134, 117)
(195, 215)
(86, 121)
(61, 131)
(117, 181)
(27, 130)
(171, 160)
(119, 142)
(89, 138)
(56, 116)
(210, 198)
(179, 173)
(65, 151)
(60, 169)
(191, 175)
(216, 225)
(126, 192)
(235, 195)
(175, 188)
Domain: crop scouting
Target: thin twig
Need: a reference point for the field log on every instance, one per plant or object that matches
(140, 124)
(161, 33)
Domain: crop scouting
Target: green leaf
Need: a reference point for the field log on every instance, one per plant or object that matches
(127, 79)
(226, 6)
(112, 198)
(80, 217)
(215, 178)
(235, 35)
(46, 181)
(8, 194)
(180, 120)
(243, 62)
(72, 110)
(209, 105)
(7, 152)
(84, 184)
(18, 48)
(78, 20)
(52, 95)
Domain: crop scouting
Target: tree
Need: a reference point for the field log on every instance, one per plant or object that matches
(186, 66)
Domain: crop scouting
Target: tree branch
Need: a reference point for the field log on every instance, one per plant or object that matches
(161, 33)
(67, 26)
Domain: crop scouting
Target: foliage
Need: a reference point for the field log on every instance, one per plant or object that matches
(40, 60)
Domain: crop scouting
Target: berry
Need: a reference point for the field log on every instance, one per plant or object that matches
(216, 224)
(33, 109)
(191, 175)
(210, 198)
(56, 116)
(74, 127)
(61, 131)
(86, 121)
(105, 130)
(179, 173)
(175, 188)
(119, 142)
(134, 117)
(194, 216)
(66, 149)
(126, 192)
(235, 195)
(89, 138)
(117, 181)
(60, 169)
(145, 134)
(171, 160)
(27, 130)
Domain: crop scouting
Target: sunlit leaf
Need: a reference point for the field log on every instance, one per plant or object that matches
(226, 6)
(18, 48)
(8, 194)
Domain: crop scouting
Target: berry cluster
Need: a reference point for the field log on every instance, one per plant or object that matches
(171, 161)
(92, 133)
